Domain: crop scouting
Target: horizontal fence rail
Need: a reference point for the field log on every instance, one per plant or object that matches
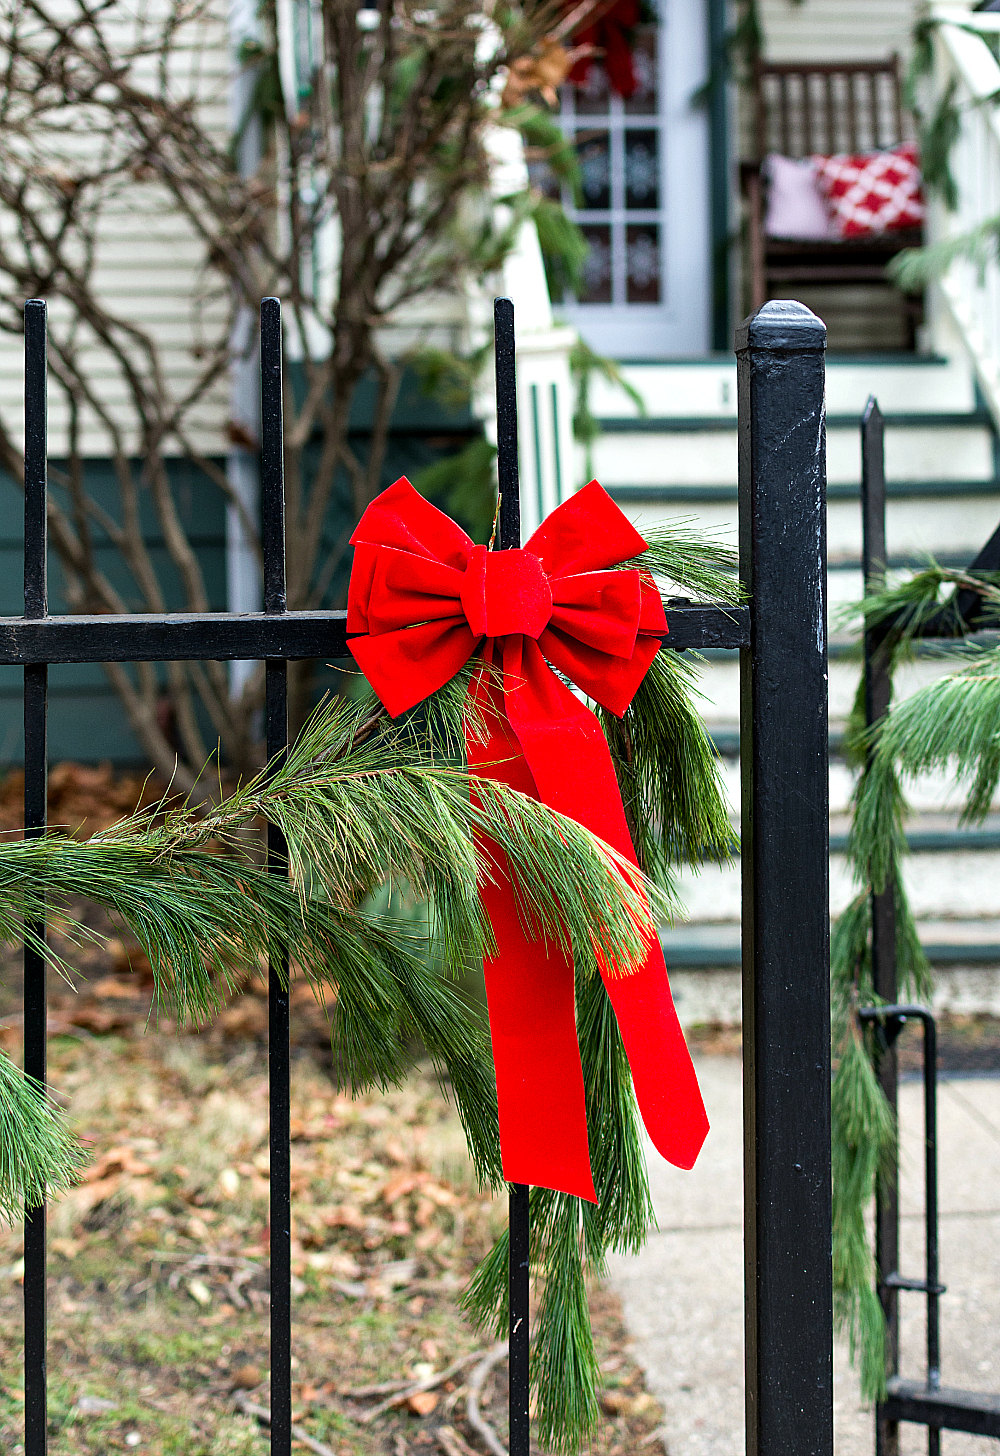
(293, 636)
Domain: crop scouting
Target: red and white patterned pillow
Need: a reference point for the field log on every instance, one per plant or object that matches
(877, 192)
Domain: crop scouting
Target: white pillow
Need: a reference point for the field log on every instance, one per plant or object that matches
(795, 206)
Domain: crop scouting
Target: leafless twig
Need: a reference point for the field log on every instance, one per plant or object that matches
(263, 1414)
(475, 1387)
(428, 1383)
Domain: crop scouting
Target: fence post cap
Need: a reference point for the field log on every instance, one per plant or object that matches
(782, 324)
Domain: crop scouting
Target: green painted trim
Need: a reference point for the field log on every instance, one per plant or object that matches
(538, 451)
(840, 651)
(555, 439)
(951, 560)
(681, 956)
(724, 355)
(718, 424)
(718, 153)
(895, 490)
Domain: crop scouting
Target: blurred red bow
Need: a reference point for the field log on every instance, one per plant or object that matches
(425, 598)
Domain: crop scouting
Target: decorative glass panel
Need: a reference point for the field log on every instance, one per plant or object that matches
(619, 204)
(592, 97)
(642, 263)
(644, 99)
(642, 170)
(594, 151)
(597, 266)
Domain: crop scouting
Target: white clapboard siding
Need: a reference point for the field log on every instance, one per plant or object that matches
(838, 30)
(149, 267)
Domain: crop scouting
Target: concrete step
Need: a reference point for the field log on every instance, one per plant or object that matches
(953, 521)
(662, 451)
(707, 387)
(680, 461)
(719, 683)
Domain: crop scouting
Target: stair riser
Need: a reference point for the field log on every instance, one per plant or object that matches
(714, 997)
(933, 794)
(956, 885)
(709, 457)
(720, 686)
(710, 388)
(922, 526)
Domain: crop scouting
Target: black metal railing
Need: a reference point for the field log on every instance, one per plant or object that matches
(922, 1402)
(785, 851)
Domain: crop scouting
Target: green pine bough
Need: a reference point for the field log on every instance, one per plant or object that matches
(950, 726)
(372, 811)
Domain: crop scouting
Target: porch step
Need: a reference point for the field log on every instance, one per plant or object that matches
(703, 387)
(680, 460)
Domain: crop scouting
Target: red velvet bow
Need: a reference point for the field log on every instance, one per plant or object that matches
(425, 598)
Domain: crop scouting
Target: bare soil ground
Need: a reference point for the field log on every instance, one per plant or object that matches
(158, 1283)
(158, 1288)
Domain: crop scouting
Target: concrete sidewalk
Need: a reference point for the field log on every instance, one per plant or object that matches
(683, 1295)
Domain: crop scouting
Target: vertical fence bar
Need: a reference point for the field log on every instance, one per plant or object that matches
(878, 686)
(35, 813)
(278, 1049)
(508, 538)
(931, 1222)
(786, 918)
(36, 677)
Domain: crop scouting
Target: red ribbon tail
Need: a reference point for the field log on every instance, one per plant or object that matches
(570, 765)
(532, 1005)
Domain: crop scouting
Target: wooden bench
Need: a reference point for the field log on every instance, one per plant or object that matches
(802, 108)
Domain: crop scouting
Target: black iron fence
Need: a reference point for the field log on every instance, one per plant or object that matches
(782, 506)
(925, 1402)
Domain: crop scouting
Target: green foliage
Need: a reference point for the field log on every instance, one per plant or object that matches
(863, 1136)
(564, 247)
(464, 485)
(361, 802)
(913, 268)
(668, 770)
(570, 1238)
(584, 363)
(937, 137)
(544, 140)
(951, 725)
(36, 1150)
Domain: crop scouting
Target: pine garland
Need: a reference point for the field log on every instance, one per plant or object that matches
(668, 771)
(370, 807)
(951, 725)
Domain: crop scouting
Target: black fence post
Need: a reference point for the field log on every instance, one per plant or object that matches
(278, 1039)
(878, 689)
(786, 917)
(519, 1220)
(36, 686)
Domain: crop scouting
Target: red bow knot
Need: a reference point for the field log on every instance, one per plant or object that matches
(423, 598)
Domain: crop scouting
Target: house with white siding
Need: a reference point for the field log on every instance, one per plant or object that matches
(668, 164)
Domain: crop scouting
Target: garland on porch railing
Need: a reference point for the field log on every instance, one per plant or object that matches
(364, 801)
(939, 130)
(953, 726)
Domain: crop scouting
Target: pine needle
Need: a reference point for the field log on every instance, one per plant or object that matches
(38, 1156)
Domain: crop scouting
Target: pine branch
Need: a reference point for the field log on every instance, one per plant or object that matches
(692, 561)
(38, 1156)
